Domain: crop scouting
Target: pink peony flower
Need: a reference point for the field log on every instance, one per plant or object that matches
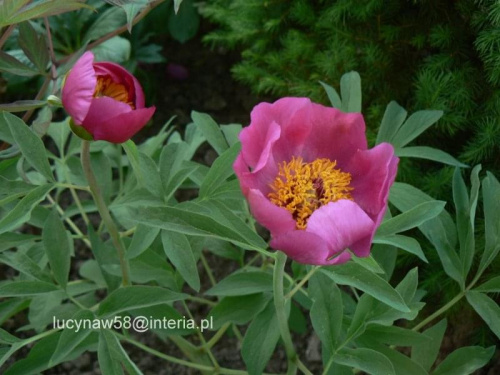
(309, 178)
(105, 99)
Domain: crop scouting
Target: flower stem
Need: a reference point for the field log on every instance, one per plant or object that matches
(443, 309)
(279, 304)
(104, 212)
(302, 282)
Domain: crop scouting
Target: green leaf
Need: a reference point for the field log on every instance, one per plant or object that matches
(116, 49)
(7, 339)
(355, 275)
(490, 286)
(131, 10)
(394, 117)
(411, 218)
(107, 363)
(22, 105)
(171, 160)
(401, 363)
(220, 171)
(491, 208)
(70, 338)
(243, 283)
(104, 256)
(142, 239)
(10, 64)
(393, 335)
(440, 231)
(44, 8)
(465, 213)
(368, 263)
(238, 309)
(403, 242)
(194, 219)
(465, 361)
(30, 145)
(211, 131)
(416, 124)
(178, 179)
(21, 213)
(350, 89)
(179, 252)
(151, 174)
(429, 153)
(25, 288)
(260, 340)
(326, 311)
(108, 21)
(177, 4)
(57, 247)
(24, 264)
(107, 340)
(33, 46)
(133, 158)
(367, 360)
(10, 8)
(487, 309)
(426, 353)
(231, 133)
(332, 94)
(134, 297)
(183, 25)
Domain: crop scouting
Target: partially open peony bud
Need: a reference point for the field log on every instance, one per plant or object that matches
(104, 99)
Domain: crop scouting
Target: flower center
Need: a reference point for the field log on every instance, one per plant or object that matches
(302, 188)
(107, 87)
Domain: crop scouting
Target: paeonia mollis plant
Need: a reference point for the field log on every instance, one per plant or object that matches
(288, 244)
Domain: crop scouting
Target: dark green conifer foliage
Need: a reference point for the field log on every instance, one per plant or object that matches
(424, 53)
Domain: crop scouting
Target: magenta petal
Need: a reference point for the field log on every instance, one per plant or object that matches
(79, 87)
(373, 172)
(336, 135)
(303, 247)
(102, 109)
(255, 180)
(122, 75)
(340, 224)
(257, 145)
(121, 128)
(277, 219)
(273, 122)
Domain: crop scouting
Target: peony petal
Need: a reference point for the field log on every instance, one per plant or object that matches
(373, 172)
(340, 224)
(123, 76)
(121, 128)
(258, 144)
(255, 180)
(79, 87)
(102, 109)
(303, 247)
(288, 116)
(335, 135)
(277, 219)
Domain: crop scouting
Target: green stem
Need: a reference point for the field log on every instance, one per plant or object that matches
(279, 304)
(302, 282)
(442, 310)
(104, 212)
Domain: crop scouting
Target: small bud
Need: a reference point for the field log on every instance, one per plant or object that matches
(54, 101)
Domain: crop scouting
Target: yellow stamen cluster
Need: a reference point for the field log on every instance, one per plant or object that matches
(107, 87)
(302, 188)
